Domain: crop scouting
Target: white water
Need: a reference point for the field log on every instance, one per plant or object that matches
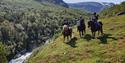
(24, 57)
(21, 59)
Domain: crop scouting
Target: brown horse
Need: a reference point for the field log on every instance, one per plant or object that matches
(94, 28)
(67, 32)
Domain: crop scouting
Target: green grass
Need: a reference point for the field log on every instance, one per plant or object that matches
(114, 10)
(109, 49)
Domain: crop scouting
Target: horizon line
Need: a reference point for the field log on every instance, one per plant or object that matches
(95, 1)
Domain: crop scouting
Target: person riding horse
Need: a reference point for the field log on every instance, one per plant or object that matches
(95, 17)
(67, 30)
(95, 25)
(81, 26)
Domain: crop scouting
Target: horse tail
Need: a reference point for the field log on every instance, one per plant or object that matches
(101, 29)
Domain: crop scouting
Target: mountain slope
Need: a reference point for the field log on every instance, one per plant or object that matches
(107, 49)
(114, 10)
(57, 2)
(91, 6)
(27, 24)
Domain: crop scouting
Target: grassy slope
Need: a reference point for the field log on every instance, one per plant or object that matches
(114, 10)
(110, 48)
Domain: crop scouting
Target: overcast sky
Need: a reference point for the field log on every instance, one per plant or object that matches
(74, 1)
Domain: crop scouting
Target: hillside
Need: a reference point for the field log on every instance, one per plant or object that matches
(91, 6)
(27, 24)
(56, 2)
(107, 49)
(115, 10)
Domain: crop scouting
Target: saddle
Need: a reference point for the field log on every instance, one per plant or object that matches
(97, 24)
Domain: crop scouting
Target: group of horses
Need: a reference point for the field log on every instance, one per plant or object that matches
(68, 31)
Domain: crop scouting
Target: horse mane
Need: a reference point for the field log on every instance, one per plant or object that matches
(90, 23)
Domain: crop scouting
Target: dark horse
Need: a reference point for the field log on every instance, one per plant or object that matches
(94, 28)
(81, 27)
(67, 32)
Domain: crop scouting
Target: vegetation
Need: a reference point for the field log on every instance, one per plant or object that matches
(24, 26)
(107, 49)
(56, 2)
(27, 24)
(114, 10)
(2, 54)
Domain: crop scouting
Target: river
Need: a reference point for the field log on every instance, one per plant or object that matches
(24, 57)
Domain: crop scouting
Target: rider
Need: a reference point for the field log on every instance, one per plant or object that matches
(95, 18)
(66, 22)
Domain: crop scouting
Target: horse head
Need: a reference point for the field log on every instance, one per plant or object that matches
(90, 23)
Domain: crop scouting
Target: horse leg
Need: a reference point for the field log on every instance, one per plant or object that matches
(67, 38)
(101, 32)
(70, 35)
(64, 38)
(82, 33)
(94, 34)
(98, 33)
(79, 33)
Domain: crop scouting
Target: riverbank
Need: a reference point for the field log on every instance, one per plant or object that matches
(23, 58)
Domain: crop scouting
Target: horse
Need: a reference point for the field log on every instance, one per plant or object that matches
(94, 28)
(81, 27)
(67, 32)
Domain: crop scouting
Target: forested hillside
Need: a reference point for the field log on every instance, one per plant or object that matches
(115, 10)
(26, 24)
